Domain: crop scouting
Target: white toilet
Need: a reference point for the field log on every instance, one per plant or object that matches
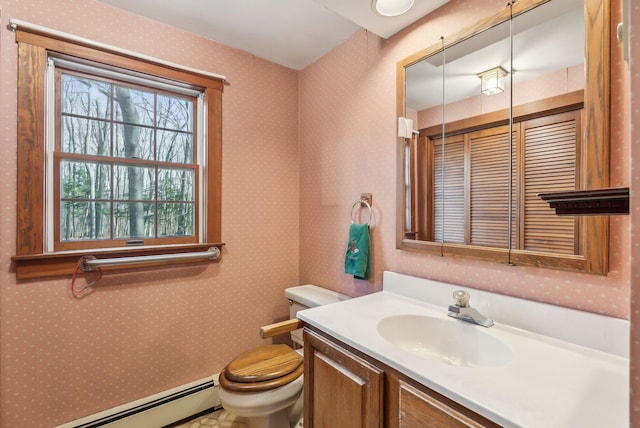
(265, 384)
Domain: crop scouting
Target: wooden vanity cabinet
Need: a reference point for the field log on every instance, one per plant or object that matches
(420, 409)
(340, 388)
(345, 388)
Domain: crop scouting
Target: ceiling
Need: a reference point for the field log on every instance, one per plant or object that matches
(292, 33)
(545, 39)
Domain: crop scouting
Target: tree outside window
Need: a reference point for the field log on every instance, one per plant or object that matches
(126, 161)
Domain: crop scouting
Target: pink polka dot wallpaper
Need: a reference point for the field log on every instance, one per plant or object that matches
(143, 332)
(298, 149)
(556, 83)
(347, 146)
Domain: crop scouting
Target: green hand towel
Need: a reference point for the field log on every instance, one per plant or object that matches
(356, 261)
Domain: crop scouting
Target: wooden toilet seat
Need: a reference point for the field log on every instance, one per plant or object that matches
(261, 369)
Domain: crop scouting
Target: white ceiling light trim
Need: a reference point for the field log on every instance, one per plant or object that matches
(363, 13)
(392, 7)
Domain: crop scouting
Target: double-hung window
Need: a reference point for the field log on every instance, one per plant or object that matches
(116, 155)
(124, 162)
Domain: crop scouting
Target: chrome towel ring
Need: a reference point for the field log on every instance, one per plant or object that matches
(361, 202)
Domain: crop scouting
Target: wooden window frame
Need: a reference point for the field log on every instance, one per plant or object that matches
(31, 260)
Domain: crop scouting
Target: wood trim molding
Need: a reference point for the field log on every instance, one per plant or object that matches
(64, 42)
(30, 142)
(545, 107)
(593, 159)
(589, 202)
(53, 264)
(30, 260)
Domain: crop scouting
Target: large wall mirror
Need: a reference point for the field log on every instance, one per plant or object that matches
(514, 106)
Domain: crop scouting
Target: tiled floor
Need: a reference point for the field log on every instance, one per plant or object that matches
(218, 419)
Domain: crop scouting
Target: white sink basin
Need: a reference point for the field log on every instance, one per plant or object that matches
(448, 340)
(522, 372)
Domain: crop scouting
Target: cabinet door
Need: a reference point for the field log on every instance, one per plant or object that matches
(418, 409)
(340, 389)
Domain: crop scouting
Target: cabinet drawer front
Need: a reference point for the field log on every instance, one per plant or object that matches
(418, 409)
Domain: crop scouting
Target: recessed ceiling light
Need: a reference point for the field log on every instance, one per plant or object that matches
(392, 7)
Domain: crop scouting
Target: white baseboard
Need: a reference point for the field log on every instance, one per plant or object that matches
(157, 410)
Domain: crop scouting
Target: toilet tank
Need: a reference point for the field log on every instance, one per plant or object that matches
(305, 297)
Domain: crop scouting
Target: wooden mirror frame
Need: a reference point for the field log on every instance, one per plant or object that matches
(595, 168)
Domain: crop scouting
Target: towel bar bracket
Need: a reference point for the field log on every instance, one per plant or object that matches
(366, 198)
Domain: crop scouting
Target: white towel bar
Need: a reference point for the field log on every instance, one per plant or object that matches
(361, 201)
(90, 264)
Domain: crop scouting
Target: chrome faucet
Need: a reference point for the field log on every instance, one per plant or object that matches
(462, 311)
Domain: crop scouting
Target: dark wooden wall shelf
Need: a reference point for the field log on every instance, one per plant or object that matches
(589, 202)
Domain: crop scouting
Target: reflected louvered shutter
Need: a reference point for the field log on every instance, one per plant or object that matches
(550, 166)
(489, 187)
(449, 196)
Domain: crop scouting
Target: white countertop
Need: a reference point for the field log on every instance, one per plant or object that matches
(547, 383)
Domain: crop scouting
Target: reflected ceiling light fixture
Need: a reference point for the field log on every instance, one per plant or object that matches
(392, 7)
(493, 80)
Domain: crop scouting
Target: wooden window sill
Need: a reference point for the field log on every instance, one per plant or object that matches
(63, 263)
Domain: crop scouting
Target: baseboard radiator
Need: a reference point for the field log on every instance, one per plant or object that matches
(157, 410)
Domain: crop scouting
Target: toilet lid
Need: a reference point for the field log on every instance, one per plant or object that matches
(263, 363)
(266, 385)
